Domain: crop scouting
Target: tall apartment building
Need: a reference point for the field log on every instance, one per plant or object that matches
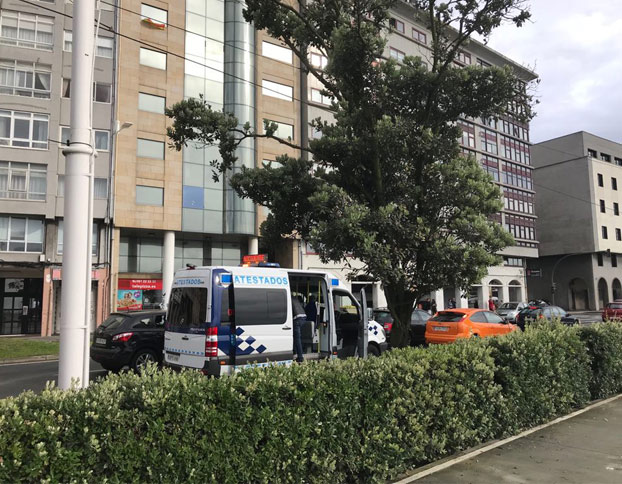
(169, 211)
(35, 83)
(503, 148)
(579, 221)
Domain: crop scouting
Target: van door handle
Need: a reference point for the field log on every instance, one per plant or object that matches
(286, 328)
(185, 338)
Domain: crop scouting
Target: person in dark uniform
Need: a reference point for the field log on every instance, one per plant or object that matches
(300, 317)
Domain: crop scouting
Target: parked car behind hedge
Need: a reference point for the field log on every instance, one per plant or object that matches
(544, 313)
(452, 324)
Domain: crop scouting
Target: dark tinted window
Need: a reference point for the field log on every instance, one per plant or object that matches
(509, 306)
(143, 322)
(560, 312)
(423, 315)
(187, 307)
(448, 317)
(383, 317)
(114, 321)
(479, 317)
(493, 318)
(547, 312)
(614, 306)
(159, 319)
(260, 306)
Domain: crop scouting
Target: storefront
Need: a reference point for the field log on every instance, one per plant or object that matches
(20, 301)
(138, 294)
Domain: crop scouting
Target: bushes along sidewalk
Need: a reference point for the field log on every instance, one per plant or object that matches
(336, 421)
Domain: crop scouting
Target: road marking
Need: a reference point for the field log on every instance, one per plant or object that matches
(498, 443)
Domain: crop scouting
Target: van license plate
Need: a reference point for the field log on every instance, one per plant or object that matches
(100, 341)
(173, 357)
(441, 328)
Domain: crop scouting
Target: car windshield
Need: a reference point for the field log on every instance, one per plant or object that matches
(383, 317)
(114, 321)
(509, 306)
(448, 317)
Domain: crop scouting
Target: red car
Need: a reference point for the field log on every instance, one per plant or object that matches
(613, 311)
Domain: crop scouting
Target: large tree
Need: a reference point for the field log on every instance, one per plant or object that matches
(386, 183)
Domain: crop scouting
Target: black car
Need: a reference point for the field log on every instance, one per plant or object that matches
(133, 338)
(535, 313)
(418, 321)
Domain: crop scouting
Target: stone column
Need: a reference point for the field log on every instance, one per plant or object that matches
(461, 302)
(253, 245)
(168, 265)
(483, 293)
(439, 297)
(505, 294)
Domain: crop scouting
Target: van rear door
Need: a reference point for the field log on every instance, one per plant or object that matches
(184, 339)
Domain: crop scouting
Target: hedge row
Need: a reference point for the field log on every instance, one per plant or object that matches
(337, 421)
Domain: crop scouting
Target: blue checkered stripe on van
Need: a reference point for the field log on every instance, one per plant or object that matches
(373, 328)
(245, 343)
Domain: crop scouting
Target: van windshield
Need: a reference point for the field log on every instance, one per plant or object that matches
(187, 307)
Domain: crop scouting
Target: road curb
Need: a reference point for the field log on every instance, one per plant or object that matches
(447, 462)
(30, 359)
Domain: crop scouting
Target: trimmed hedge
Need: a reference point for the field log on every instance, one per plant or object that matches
(333, 421)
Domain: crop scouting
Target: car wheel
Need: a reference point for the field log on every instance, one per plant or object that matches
(111, 368)
(577, 321)
(141, 359)
(372, 350)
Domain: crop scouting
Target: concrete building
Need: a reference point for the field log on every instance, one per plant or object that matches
(35, 82)
(503, 148)
(579, 222)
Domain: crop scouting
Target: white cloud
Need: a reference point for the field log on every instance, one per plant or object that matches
(574, 46)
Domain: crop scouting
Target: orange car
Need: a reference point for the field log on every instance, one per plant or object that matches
(447, 326)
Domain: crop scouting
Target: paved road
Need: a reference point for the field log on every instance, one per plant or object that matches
(584, 449)
(16, 378)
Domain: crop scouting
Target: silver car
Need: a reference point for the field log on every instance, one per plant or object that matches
(509, 310)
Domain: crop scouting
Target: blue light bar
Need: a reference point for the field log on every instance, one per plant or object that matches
(334, 282)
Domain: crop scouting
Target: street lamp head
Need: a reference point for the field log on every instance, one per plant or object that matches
(121, 126)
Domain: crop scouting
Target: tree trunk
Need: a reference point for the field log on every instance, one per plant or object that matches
(400, 304)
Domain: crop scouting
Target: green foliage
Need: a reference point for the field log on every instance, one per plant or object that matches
(604, 345)
(333, 421)
(388, 184)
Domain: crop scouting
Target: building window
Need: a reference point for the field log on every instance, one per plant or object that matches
(521, 227)
(102, 93)
(614, 183)
(100, 189)
(26, 30)
(152, 58)
(419, 36)
(274, 89)
(147, 148)
(592, 153)
(318, 60)
(605, 157)
(140, 254)
(25, 79)
(19, 234)
(601, 183)
(94, 239)
(616, 208)
(151, 103)
(104, 46)
(614, 260)
(599, 259)
(513, 261)
(149, 195)
(602, 206)
(468, 134)
(283, 130)
(617, 161)
(24, 130)
(318, 97)
(516, 175)
(463, 57)
(102, 140)
(22, 181)
(397, 25)
(276, 52)
(488, 139)
(398, 55)
(618, 234)
(483, 63)
(604, 232)
(157, 15)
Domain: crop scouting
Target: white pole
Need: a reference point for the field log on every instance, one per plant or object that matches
(253, 245)
(77, 225)
(168, 265)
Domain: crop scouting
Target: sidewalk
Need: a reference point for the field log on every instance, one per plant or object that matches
(586, 448)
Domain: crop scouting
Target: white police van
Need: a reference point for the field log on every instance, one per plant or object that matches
(221, 319)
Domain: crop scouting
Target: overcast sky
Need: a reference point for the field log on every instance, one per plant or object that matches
(575, 46)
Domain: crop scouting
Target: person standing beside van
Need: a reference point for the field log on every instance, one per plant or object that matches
(300, 317)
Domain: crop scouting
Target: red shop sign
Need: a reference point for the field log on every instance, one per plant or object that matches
(138, 284)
